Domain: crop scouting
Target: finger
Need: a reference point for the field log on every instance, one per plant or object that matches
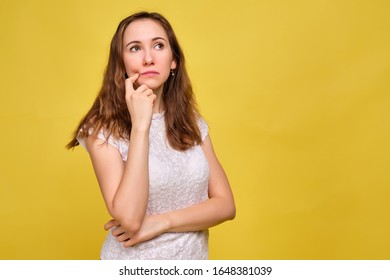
(133, 78)
(129, 82)
(142, 89)
(110, 224)
(118, 231)
(146, 92)
(107, 225)
(131, 242)
(123, 237)
(149, 92)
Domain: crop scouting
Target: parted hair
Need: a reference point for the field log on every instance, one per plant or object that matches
(109, 110)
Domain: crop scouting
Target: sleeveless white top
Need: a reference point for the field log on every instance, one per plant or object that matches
(177, 180)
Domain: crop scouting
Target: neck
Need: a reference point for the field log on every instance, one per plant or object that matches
(158, 106)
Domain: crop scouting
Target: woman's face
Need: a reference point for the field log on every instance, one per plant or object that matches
(146, 51)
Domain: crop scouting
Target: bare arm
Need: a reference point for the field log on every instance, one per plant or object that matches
(125, 187)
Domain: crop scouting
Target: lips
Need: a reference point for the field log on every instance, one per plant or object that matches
(149, 73)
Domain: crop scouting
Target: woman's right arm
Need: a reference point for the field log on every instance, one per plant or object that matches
(125, 186)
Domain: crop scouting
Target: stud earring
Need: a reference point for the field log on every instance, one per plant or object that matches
(172, 73)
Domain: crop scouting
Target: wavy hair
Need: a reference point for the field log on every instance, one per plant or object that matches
(109, 110)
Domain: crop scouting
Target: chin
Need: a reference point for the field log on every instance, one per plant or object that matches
(153, 85)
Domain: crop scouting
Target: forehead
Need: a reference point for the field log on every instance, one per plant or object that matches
(143, 30)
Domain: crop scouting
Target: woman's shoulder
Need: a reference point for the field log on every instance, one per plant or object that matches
(101, 134)
(203, 127)
(120, 144)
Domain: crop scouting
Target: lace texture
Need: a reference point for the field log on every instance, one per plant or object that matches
(177, 180)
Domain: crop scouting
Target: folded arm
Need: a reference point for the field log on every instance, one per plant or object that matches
(218, 208)
(125, 187)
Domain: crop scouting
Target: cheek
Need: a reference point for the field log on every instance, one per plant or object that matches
(131, 69)
(131, 65)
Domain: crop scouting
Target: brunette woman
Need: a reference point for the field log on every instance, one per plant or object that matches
(150, 149)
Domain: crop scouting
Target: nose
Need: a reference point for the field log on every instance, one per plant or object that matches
(148, 58)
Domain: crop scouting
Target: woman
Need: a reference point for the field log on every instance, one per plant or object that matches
(150, 149)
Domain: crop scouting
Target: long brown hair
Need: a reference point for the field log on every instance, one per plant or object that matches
(109, 110)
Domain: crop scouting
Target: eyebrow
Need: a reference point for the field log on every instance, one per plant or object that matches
(139, 42)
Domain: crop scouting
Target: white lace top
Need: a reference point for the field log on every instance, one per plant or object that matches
(177, 180)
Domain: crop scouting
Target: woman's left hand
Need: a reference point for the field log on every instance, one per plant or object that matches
(152, 226)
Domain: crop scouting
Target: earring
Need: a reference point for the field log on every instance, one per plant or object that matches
(172, 73)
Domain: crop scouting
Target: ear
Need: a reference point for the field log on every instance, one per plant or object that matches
(173, 64)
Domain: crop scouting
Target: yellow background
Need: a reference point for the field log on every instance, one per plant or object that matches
(296, 94)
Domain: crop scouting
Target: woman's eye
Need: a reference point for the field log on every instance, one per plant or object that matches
(135, 48)
(159, 46)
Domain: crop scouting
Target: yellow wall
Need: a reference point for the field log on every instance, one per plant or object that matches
(296, 94)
